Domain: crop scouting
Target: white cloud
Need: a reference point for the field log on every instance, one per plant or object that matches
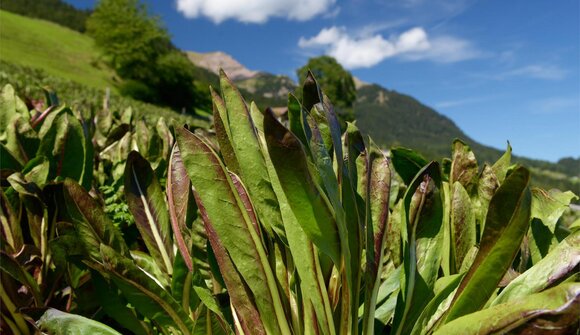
(548, 72)
(255, 11)
(554, 105)
(463, 102)
(367, 50)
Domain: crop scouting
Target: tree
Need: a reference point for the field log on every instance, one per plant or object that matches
(336, 82)
(140, 51)
(128, 36)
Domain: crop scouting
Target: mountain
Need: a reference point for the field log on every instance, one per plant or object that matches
(214, 61)
(266, 89)
(395, 119)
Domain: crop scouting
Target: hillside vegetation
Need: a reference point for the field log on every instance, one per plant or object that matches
(56, 11)
(58, 50)
(395, 119)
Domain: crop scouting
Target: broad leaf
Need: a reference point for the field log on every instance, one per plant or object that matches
(378, 187)
(10, 107)
(54, 321)
(548, 206)
(422, 237)
(91, 223)
(224, 212)
(147, 204)
(244, 142)
(10, 267)
(464, 166)
(143, 292)
(115, 305)
(462, 224)
(557, 264)
(555, 310)
(506, 224)
(308, 202)
(178, 191)
(64, 143)
(407, 163)
(502, 165)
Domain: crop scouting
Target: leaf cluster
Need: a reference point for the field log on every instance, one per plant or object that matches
(259, 226)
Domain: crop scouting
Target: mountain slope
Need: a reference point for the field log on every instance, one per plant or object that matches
(267, 90)
(393, 119)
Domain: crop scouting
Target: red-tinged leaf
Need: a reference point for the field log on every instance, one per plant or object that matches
(147, 204)
(178, 193)
(506, 224)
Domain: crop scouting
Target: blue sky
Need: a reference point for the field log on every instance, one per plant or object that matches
(501, 70)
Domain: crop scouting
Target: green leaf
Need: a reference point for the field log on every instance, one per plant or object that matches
(557, 264)
(117, 134)
(151, 266)
(312, 284)
(54, 321)
(308, 202)
(248, 317)
(506, 224)
(21, 140)
(407, 163)
(10, 266)
(209, 323)
(8, 161)
(166, 138)
(387, 296)
(147, 204)
(36, 210)
(378, 187)
(182, 284)
(10, 224)
(437, 307)
(178, 191)
(549, 206)
(555, 310)
(244, 142)
(423, 240)
(64, 143)
(502, 165)
(224, 213)
(116, 306)
(296, 118)
(486, 188)
(143, 292)
(464, 166)
(91, 223)
(10, 107)
(462, 223)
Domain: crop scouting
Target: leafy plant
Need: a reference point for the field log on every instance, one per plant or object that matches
(272, 228)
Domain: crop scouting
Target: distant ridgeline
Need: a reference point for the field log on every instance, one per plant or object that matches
(51, 10)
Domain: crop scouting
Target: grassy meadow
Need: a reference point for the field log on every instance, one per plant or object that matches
(60, 51)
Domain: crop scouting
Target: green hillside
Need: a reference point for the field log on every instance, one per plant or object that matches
(268, 90)
(395, 119)
(59, 51)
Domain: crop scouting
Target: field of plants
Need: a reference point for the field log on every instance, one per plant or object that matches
(116, 221)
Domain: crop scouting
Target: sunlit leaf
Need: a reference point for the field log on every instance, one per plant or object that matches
(506, 224)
